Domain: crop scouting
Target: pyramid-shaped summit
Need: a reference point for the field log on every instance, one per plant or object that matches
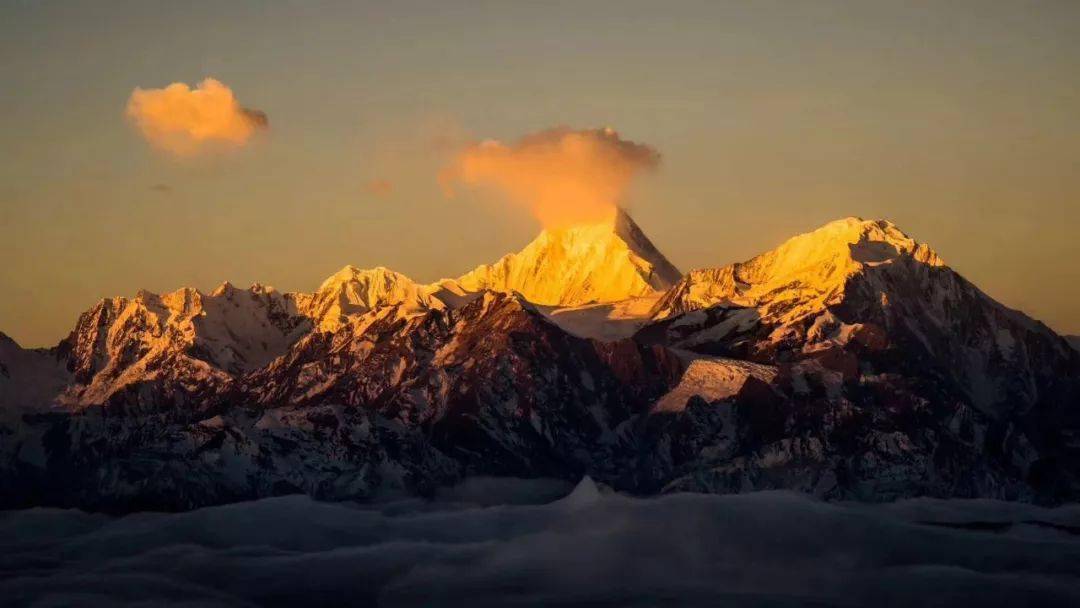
(608, 261)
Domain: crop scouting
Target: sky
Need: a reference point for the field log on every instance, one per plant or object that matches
(958, 121)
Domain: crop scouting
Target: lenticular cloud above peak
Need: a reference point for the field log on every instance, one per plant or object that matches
(184, 121)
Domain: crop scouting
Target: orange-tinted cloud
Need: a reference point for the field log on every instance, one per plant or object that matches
(563, 176)
(380, 187)
(182, 120)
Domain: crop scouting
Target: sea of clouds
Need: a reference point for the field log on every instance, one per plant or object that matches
(526, 543)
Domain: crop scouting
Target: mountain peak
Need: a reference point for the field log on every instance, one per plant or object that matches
(840, 244)
(223, 289)
(605, 261)
(812, 268)
(353, 290)
(352, 273)
(8, 340)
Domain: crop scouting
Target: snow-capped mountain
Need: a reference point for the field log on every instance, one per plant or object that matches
(605, 262)
(352, 291)
(867, 283)
(30, 379)
(189, 340)
(877, 341)
(493, 384)
(181, 344)
(849, 362)
(801, 276)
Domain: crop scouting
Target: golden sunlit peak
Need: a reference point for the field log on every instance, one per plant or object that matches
(573, 264)
(223, 289)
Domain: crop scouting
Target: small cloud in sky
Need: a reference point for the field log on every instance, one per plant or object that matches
(564, 176)
(162, 188)
(184, 121)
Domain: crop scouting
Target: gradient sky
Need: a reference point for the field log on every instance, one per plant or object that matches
(959, 121)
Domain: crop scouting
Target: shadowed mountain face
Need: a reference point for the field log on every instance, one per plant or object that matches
(849, 362)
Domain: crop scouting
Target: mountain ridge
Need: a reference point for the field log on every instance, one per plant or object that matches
(878, 277)
(820, 259)
(849, 362)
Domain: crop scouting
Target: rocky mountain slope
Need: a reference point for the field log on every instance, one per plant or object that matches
(170, 349)
(850, 362)
(886, 357)
(866, 284)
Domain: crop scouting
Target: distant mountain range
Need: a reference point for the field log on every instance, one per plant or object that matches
(850, 363)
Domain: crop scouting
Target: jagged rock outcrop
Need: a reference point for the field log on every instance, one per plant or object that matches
(493, 384)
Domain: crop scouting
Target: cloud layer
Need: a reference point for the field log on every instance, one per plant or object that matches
(590, 548)
(184, 121)
(563, 176)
